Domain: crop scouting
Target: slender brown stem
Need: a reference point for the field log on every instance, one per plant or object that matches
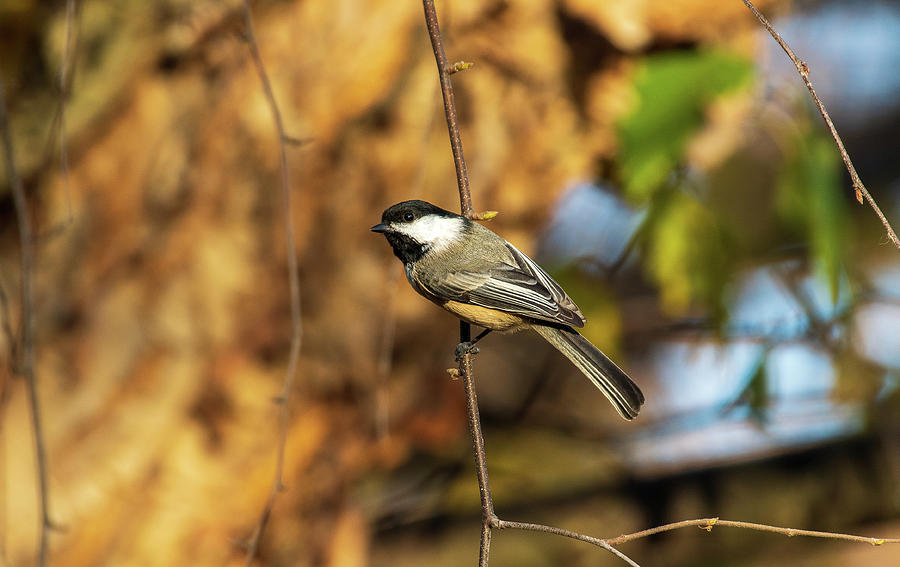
(481, 470)
(465, 330)
(708, 523)
(459, 160)
(803, 70)
(27, 368)
(287, 387)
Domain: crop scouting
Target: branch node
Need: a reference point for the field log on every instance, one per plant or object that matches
(454, 68)
(454, 373)
(465, 348)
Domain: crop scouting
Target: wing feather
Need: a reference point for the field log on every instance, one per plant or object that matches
(522, 288)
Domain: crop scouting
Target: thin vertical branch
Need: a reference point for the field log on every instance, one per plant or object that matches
(284, 397)
(444, 71)
(465, 330)
(488, 517)
(27, 342)
(803, 70)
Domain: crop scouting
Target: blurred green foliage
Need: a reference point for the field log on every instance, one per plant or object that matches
(688, 253)
(673, 90)
(810, 203)
(693, 237)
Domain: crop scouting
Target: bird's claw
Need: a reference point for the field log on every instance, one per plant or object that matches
(465, 348)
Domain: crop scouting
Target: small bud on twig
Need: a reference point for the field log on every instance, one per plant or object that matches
(485, 216)
(458, 66)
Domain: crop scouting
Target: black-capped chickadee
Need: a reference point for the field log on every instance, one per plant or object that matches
(484, 280)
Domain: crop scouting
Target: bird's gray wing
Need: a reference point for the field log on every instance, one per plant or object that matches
(520, 287)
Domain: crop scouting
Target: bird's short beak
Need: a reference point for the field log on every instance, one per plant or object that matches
(380, 228)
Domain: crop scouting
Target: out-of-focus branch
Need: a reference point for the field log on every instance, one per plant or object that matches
(283, 399)
(385, 358)
(8, 334)
(26, 242)
(803, 70)
(64, 84)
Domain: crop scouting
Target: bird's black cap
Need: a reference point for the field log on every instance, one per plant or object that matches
(408, 211)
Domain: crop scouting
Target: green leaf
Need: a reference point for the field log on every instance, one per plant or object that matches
(809, 198)
(687, 254)
(673, 89)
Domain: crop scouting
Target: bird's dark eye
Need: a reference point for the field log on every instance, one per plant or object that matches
(408, 216)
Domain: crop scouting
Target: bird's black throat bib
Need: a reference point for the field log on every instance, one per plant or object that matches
(405, 248)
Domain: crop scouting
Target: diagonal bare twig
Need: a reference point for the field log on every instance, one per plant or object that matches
(284, 397)
(803, 70)
(26, 242)
(708, 523)
(605, 544)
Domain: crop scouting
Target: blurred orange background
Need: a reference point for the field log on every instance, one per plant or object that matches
(666, 140)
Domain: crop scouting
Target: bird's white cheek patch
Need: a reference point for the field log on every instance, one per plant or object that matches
(437, 232)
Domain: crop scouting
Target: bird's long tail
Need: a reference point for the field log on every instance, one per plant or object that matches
(618, 388)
